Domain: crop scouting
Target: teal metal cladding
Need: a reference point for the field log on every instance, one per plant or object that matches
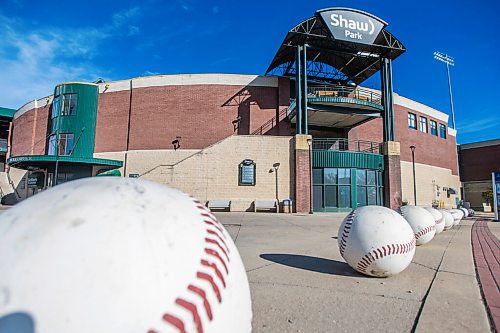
(347, 159)
(83, 123)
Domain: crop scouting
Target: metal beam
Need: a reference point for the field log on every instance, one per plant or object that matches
(298, 92)
(387, 99)
(304, 92)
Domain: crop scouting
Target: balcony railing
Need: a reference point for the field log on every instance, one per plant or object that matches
(345, 144)
(357, 93)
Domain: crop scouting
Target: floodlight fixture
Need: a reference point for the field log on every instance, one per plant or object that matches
(444, 58)
(449, 61)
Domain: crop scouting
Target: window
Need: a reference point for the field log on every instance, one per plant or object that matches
(66, 142)
(369, 187)
(64, 177)
(64, 105)
(69, 102)
(331, 188)
(56, 106)
(423, 124)
(412, 120)
(434, 130)
(442, 131)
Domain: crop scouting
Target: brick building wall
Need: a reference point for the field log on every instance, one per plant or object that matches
(112, 121)
(477, 163)
(430, 149)
(201, 114)
(29, 132)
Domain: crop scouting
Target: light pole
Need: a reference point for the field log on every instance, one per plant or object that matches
(414, 178)
(276, 166)
(449, 61)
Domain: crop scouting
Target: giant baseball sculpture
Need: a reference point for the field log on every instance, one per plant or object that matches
(448, 219)
(466, 211)
(438, 218)
(376, 241)
(457, 214)
(120, 255)
(421, 221)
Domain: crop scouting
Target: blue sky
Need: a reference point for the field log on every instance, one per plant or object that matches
(47, 42)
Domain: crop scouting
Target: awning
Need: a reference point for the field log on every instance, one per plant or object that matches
(7, 113)
(110, 173)
(33, 162)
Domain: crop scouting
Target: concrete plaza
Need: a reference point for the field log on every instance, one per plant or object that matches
(300, 283)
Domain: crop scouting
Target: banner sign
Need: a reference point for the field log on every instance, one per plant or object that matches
(36, 180)
(352, 25)
(495, 179)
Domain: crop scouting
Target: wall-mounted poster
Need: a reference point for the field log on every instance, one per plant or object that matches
(247, 173)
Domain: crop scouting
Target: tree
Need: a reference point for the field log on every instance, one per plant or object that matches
(488, 196)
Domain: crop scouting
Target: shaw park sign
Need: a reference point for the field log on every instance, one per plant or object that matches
(352, 25)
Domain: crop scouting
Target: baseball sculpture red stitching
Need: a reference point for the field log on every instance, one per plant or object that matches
(457, 214)
(421, 221)
(438, 218)
(448, 219)
(121, 255)
(376, 241)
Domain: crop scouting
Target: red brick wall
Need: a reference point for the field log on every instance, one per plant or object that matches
(370, 131)
(302, 181)
(201, 114)
(42, 130)
(22, 133)
(29, 132)
(112, 121)
(430, 149)
(392, 181)
(477, 164)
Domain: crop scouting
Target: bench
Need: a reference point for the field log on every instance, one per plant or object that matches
(266, 204)
(219, 204)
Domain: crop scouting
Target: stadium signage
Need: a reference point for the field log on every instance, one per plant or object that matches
(353, 26)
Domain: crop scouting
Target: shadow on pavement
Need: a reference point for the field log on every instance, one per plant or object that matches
(314, 264)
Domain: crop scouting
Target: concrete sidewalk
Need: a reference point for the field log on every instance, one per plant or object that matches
(300, 283)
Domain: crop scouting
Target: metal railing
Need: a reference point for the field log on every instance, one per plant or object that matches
(271, 123)
(358, 93)
(345, 144)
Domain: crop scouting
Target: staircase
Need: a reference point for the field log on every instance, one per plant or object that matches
(274, 121)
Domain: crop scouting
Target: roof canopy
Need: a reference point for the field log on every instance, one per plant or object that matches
(34, 162)
(7, 113)
(344, 45)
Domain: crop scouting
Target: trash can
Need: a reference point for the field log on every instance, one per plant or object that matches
(287, 206)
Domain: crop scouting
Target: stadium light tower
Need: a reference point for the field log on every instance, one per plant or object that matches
(449, 61)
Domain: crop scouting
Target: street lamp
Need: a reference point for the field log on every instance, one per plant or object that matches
(414, 178)
(276, 166)
(449, 61)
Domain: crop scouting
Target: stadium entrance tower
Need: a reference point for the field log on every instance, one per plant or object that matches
(327, 58)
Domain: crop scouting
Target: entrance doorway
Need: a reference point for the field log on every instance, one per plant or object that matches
(343, 189)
